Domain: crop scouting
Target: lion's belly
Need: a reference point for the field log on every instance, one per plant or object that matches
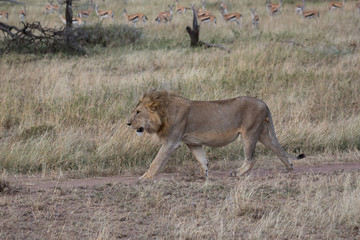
(210, 138)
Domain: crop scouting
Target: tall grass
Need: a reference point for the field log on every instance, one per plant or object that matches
(305, 70)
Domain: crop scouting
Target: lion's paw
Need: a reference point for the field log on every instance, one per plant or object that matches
(145, 177)
(232, 174)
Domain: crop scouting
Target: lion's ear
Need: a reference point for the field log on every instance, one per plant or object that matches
(151, 106)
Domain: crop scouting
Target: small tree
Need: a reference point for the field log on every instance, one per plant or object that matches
(68, 31)
(68, 14)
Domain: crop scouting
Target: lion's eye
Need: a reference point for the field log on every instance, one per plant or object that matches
(137, 112)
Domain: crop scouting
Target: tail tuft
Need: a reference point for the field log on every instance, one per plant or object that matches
(300, 156)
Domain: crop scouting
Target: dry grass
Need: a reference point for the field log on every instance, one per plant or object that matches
(313, 91)
(276, 207)
(67, 114)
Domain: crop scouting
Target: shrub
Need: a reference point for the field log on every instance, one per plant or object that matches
(33, 38)
(108, 36)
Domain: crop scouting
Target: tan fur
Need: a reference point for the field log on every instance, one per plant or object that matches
(175, 119)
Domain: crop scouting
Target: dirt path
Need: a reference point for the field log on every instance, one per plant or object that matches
(36, 183)
(122, 207)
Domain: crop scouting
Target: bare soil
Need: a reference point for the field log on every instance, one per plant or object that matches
(34, 207)
(37, 183)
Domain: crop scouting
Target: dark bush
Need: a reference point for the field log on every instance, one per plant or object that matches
(33, 38)
(108, 36)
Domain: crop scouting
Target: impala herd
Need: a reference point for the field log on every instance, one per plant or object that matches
(203, 15)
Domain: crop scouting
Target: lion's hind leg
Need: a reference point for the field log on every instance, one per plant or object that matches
(249, 142)
(199, 154)
(271, 142)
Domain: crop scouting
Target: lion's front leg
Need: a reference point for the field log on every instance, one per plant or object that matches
(161, 158)
(199, 154)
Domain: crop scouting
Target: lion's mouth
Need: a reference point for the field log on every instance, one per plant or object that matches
(140, 131)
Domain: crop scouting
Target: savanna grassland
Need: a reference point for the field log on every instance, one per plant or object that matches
(63, 115)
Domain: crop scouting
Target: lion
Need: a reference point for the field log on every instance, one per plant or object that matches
(175, 119)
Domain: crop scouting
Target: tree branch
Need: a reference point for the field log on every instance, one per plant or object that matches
(8, 29)
(195, 32)
(209, 45)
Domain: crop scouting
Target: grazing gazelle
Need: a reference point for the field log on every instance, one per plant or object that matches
(85, 13)
(54, 7)
(4, 14)
(165, 16)
(104, 14)
(202, 11)
(254, 18)
(180, 9)
(309, 14)
(22, 14)
(134, 18)
(75, 21)
(273, 8)
(298, 7)
(161, 18)
(273, 5)
(207, 18)
(51, 8)
(336, 5)
(231, 17)
(48, 9)
(223, 5)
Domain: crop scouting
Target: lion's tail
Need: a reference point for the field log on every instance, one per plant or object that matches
(276, 141)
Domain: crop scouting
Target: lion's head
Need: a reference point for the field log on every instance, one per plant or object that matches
(150, 113)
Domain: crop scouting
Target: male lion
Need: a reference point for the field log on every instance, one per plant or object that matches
(175, 119)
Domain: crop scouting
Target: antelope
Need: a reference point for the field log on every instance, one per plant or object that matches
(85, 13)
(134, 17)
(274, 5)
(231, 17)
(336, 5)
(22, 14)
(48, 9)
(161, 18)
(223, 5)
(4, 14)
(51, 7)
(202, 11)
(180, 9)
(104, 14)
(75, 21)
(254, 18)
(309, 14)
(273, 8)
(165, 16)
(207, 18)
(357, 5)
(298, 7)
(54, 7)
